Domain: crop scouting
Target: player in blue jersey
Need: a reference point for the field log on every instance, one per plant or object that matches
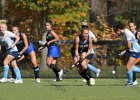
(26, 48)
(133, 50)
(53, 51)
(83, 48)
(12, 53)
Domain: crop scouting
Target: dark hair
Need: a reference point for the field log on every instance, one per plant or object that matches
(132, 22)
(49, 21)
(118, 25)
(84, 28)
(16, 27)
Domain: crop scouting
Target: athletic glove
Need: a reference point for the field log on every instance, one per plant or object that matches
(19, 56)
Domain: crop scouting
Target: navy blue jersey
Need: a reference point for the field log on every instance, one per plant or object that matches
(83, 46)
(50, 37)
(20, 45)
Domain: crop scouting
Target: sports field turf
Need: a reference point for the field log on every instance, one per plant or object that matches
(69, 89)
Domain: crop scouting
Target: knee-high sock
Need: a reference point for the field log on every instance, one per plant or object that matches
(36, 72)
(17, 72)
(84, 75)
(130, 76)
(55, 69)
(6, 69)
(88, 72)
(13, 73)
(92, 68)
(134, 76)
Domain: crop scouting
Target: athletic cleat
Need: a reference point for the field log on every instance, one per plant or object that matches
(37, 80)
(135, 82)
(84, 80)
(60, 74)
(18, 81)
(58, 79)
(129, 84)
(98, 72)
(3, 80)
(92, 81)
(10, 80)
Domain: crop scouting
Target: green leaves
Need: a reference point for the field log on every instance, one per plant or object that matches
(59, 11)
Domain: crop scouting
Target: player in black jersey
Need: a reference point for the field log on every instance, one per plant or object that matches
(53, 51)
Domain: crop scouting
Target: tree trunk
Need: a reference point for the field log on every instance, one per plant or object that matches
(43, 64)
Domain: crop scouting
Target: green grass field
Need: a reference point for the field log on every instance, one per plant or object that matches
(69, 89)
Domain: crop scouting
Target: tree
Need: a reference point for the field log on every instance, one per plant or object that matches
(65, 15)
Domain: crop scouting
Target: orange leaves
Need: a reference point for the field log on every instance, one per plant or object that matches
(83, 14)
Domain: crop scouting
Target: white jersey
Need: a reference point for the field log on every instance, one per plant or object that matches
(91, 34)
(7, 38)
(135, 47)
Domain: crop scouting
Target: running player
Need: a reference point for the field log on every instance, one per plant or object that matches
(133, 50)
(83, 47)
(133, 29)
(90, 66)
(53, 51)
(26, 48)
(12, 53)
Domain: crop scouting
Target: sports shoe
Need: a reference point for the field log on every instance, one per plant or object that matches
(3, 80)
(129, 84)
(60, 74)
(58, 79)
(10, 80)
(84, 80)
(98, 72)
(18, 81)
(37, 80)
(135, 82)
(92, 81)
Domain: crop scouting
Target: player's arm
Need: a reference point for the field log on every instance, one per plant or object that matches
(94, 39)
(25, 40)
(76, 47)
(16, 40)
(56, 38)
(138, 34)
(129, 44)
(93, 36)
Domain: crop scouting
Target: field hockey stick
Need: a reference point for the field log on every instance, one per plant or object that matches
(75, 64)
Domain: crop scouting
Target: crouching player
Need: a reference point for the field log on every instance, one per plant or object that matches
(25, 48)
(83, 47)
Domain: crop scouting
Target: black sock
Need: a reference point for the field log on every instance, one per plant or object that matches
(55, 69)
(36, 72)
(84, 75)
(88, 73)
(13, 73)
(134, 76)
